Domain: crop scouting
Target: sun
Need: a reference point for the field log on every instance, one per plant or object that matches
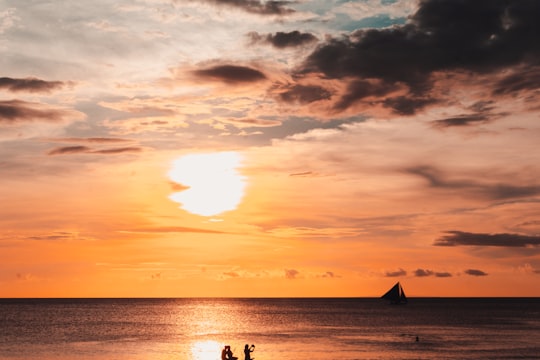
(213, 183)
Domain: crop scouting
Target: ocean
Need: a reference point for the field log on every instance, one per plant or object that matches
(285, 329)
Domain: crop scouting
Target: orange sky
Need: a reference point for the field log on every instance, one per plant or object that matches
(236, 149)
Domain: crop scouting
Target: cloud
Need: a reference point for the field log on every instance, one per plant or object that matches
(526, 79)
(443, 274)
(437, 179)
(32, 85)
(79, 149)
(250, 122)
(397, 273)
(69, 150)
(462, 120)
(56, 236)
(231, 274)
(19, 111)
(461, 238)
(426, 272)
(230, 74)
(121, 150)
(291, 273)
(271, 7)
(423, 272)
(8, 18)
(304, 173)
(283, 40)
(330, 275)
(475, 272)
(442, 37)
(303, 94)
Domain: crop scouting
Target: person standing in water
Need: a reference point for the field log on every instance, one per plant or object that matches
(247, 352)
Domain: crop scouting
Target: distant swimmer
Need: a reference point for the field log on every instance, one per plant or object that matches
(247, 352)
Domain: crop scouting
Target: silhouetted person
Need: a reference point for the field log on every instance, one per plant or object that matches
(417, 339)
(227, 354)
(224, 353)
(247, 352)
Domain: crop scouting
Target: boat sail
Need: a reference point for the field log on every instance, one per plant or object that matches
(395, 295)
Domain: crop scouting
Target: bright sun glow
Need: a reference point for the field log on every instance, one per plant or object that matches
(206, 350)
(212, 181)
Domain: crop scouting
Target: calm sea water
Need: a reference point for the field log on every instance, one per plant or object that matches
(290, 329)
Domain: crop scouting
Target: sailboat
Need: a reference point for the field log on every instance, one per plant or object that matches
(395, 295)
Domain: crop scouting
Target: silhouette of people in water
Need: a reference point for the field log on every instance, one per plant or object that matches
(227, 354)
(247, 352)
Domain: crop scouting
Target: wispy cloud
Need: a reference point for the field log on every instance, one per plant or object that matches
(437, 179)
(271, 7)
(19, 111)
(461, 238)
(396, 273)
(32, 85)
(80, 149)
(291, 274)
(475, 272)
(283, 40)
(427, 272)
(231, 74)
(463, 120)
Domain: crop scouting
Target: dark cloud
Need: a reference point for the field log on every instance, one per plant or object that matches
(436, 179)
(475, 272)
(291, 273)
(56, 236)
(361, 89)
(528, 79)
(79, 149)
(463, 120)
(271, 7)
(29, 85)
(443, 274)
(118, 150)
(403, 105)
(461, 238)
(232, 74)
(65, 150)
(304, 94)
(443, 36)
(283, 40)
(426, 272)
(18, 111)
(399, 272)
(302, 174)
(423, 272)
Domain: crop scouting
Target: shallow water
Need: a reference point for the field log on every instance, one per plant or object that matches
(296, 329)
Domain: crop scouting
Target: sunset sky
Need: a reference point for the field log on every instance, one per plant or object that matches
(250, 148)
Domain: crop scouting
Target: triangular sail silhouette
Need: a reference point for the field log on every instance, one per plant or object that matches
(395, 295)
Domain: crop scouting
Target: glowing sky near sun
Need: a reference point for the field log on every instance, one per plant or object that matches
(213, 184)
(269, 148)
